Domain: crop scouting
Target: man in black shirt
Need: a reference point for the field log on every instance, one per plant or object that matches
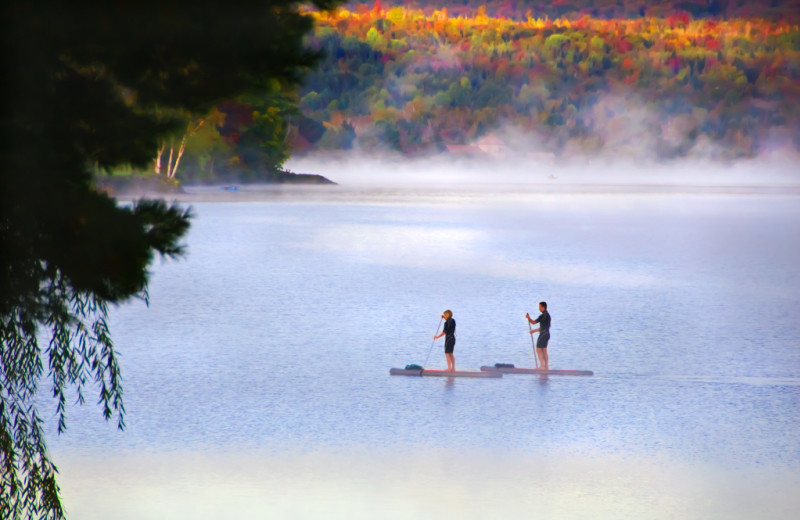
(449, 331)
(544, 334)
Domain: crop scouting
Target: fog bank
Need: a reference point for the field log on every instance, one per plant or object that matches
(369, 170)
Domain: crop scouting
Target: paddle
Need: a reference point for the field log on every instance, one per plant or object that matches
(530, 331)
(432, 342)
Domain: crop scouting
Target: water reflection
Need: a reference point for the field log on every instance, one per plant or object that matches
(574, 483)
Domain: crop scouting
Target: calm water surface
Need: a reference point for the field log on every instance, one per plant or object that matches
(257, 381)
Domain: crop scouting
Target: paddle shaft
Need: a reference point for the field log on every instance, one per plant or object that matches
(432, 342)
(530, 329)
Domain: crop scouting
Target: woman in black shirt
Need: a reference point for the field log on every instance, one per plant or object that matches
(449, 331)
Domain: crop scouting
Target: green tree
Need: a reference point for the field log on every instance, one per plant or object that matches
(555, 44)
(90, 86)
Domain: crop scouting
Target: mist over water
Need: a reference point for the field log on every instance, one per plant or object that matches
(257, 382)
(516, 167)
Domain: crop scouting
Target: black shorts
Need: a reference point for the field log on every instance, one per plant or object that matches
(542, 341)
(449, 344)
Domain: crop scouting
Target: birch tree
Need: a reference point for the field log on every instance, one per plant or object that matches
(172, 167)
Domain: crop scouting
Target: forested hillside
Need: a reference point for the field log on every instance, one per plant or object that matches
(549, 81)
(419, 81)
(606, 9)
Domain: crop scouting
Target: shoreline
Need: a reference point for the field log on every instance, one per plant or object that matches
(136, 187)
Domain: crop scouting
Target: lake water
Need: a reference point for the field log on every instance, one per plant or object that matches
(257, 382)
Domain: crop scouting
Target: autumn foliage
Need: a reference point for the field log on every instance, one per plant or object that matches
(415, 80)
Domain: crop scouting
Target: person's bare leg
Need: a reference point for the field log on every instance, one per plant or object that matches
(540, 353)
(546, 359)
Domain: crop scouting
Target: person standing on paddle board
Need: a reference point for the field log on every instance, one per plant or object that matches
(544, 334)
(449, 331)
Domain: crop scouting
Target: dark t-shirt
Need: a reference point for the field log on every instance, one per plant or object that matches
(544, 322)
(449, 328)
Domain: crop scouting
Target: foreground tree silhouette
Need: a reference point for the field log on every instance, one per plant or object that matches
(91, 86)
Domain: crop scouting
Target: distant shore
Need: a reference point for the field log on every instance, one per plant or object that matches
(134, 187)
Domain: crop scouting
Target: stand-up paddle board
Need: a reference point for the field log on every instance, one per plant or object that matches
(444, 373)
(504, 368)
